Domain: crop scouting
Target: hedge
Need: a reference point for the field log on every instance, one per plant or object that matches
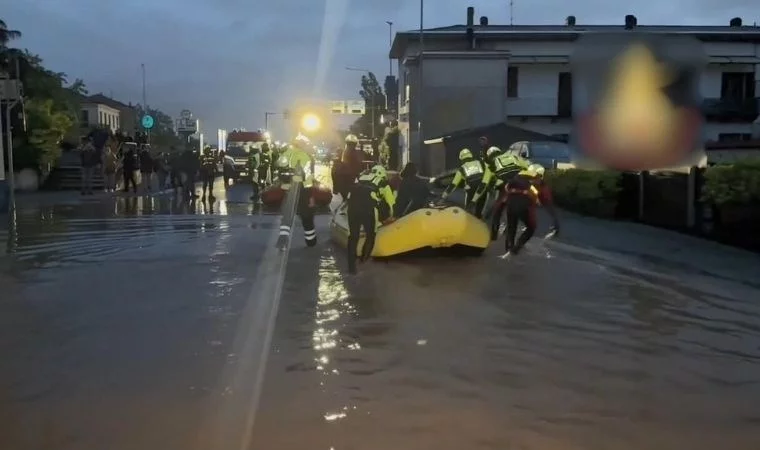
(589, 192)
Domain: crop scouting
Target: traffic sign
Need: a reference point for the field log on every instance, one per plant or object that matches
(356, 107)
(147, 121)
(338, 107)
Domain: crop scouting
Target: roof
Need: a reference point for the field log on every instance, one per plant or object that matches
(104, 100)
(492, 130)
(569, 33)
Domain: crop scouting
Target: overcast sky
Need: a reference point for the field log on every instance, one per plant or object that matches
(230, 60)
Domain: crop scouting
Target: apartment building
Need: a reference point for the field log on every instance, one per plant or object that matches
(100, 110)
(480, 74)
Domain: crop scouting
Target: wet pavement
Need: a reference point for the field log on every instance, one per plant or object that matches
(122, 318)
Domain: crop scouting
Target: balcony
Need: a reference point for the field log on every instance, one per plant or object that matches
(729, 108)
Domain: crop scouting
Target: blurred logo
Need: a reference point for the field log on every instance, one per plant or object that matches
(643, 110)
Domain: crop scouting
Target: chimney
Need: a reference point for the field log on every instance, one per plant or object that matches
(470, 16)
(630, 22)
(570, 21)
(735, 22)
(483, 21)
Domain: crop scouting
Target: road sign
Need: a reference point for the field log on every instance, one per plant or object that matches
(147, 121)
(338, 107)
(356, 107)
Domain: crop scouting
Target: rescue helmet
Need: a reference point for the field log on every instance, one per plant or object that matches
(493, 151)
(300, 141)
(352, 139)
(465, 153)
(537, 169)
(379, 171)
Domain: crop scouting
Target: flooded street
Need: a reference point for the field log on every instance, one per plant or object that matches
(121, 320)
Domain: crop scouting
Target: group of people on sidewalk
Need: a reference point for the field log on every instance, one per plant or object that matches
(141, 170)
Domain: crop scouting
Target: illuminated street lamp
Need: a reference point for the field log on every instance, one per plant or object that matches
(311, 123)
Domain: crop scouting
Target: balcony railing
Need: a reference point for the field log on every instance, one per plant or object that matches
(730, 108)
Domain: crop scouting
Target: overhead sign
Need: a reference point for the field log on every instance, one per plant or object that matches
(147, 121)
(356, 107)
(189, 126)
(338, 107)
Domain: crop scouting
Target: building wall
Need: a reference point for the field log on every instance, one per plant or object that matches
(101, 115)
(461, 93)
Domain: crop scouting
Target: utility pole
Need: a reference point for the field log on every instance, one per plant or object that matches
(390, 44)
(511, 11)
(144, 99)
(420, 104)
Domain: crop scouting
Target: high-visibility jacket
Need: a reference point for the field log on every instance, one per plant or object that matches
(470, 174)
(295, 165)
(377, 188)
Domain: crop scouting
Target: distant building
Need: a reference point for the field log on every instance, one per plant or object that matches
(100, 110)
(480, 74)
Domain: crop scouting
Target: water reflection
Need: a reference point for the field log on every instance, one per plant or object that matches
(332, 307)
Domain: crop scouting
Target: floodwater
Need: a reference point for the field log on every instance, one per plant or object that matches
(121, 323)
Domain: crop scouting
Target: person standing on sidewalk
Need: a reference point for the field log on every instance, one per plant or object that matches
(130, 165)
(88, 157)
(208, 173)
(146, 169)
(109, 169)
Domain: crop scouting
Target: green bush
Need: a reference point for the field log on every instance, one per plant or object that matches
(737, 183)
(591, 192)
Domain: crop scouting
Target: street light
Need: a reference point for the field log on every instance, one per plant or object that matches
(371, 100)
(311, 123)
(390, 44)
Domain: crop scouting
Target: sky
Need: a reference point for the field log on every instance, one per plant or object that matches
(229, 61)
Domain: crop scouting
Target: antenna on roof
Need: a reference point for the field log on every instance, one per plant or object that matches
(511, 11)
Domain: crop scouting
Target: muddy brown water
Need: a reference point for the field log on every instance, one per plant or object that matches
(117, 325)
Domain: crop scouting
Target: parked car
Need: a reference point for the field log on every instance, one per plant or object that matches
(549, 154)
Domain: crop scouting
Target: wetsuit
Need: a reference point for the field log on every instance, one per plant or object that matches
(521, 201)
(500, 170)
(370, 198)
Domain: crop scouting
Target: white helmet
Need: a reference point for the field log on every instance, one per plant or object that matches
(352, 139)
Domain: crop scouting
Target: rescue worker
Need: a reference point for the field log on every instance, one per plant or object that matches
(252, 165)
(470, 176)
(208, 173)
(483, 146)
(344, 174)
(265, 161)
(296, 168)
(522, 196)
(500, 168)
(370, 202)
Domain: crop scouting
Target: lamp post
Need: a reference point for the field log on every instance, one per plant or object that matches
(371, 101)
(420, 107)
(390, 44)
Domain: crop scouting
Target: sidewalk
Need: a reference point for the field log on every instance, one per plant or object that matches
(664, 248)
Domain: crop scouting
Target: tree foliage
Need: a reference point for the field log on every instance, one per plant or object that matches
(374, 100)
(51, 110)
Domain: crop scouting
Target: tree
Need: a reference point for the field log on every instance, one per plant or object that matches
(6, 34)
(46, 127)
(374, 100)
(162, 134)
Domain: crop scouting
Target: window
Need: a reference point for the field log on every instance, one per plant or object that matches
(102, 118)
(512, 75)
(737, 85)
(565, 94)
(85, 117)
(734, 137)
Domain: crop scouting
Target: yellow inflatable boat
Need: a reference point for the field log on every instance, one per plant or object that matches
(433, 227)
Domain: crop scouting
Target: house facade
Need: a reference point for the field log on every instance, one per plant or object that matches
(479, 74)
